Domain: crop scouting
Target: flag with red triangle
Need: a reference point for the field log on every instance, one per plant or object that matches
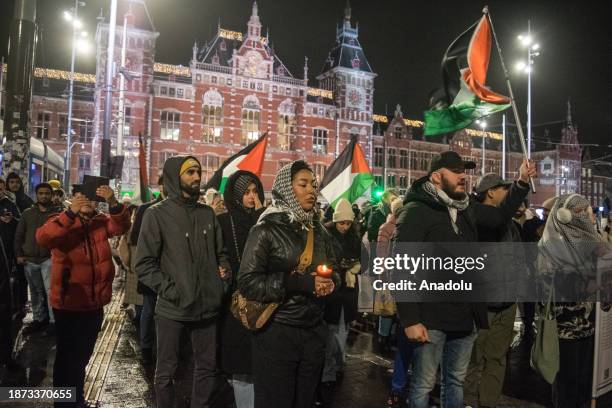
(250, 158)
(349, 176)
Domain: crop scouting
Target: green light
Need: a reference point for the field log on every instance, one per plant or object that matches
(379, 193)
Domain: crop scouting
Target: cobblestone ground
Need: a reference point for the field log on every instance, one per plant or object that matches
(128, 383)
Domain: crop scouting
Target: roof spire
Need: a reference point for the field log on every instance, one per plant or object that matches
(219, 25)
(254, 24)
(569, 113)
(347, 12)
(254, 12)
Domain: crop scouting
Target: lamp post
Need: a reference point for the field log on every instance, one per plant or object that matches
(526, 67)
(483, 126)
(78, 40)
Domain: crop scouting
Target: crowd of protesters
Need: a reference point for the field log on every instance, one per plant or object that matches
(266, 291)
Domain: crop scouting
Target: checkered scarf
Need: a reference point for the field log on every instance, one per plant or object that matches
(283, 199)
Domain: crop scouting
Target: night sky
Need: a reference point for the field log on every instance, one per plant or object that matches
(403, 40)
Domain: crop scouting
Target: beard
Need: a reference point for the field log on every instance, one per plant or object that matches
(191, 189)
(449, 189)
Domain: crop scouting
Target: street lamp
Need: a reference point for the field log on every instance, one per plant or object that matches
(483, 126)
(526, 67)
(78, 42)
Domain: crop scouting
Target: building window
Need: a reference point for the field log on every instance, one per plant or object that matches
(319, 141)
(163, 156)
(172, 92)
(287, 132)
(44, 122)
(403, 182)
(212, 117)
(163, 90)
(319, 171)
(210, 163)
(390, 181)
(379, 157)
(84, 166)
(398, 132)
(250, 120)
(403, 159)
(127, 121)
(378, 181)
(63, 124)
(85, 130)
(391, 159)
(169, 125)
(179, 92)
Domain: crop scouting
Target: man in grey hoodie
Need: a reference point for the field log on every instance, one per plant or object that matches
(181, 257)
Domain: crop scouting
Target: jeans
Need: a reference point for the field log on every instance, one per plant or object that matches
(334, 350)
(244, 391)
(39, 277)
(572, 386)
(450, 350)
(287, 364)
(203, 336)
(76, 334)
(147, 320)
(403, 359)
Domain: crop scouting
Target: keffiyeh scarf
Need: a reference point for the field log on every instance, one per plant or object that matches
(453, 206)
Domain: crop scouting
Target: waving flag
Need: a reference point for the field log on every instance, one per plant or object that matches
(250, 158)
(465, 96)
(348, 176)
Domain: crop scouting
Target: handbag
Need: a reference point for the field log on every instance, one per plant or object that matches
(254, 314)
(545, 350)
(384, 304)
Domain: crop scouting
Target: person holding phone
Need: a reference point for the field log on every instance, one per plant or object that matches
(82, 273)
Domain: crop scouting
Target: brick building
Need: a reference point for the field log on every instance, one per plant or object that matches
(236, 87)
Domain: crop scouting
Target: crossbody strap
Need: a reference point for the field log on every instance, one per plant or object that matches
(306, 256)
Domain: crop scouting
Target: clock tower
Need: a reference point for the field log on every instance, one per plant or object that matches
(348, 74)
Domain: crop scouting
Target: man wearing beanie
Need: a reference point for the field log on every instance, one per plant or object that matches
(341, 305)
(181, 257)
(243, 197)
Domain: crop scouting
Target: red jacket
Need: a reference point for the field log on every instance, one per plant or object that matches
(82, 269)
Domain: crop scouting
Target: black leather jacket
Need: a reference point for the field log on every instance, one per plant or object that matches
(271, 253)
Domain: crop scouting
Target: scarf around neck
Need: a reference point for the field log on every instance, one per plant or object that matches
(452, 205)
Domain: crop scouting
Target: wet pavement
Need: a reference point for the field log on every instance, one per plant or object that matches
(118, 378)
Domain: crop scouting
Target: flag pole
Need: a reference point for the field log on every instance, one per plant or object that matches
(517, 119)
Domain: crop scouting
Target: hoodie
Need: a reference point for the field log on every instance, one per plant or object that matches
(180, 249)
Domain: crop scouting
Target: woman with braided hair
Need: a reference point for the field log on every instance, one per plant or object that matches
(281, 255)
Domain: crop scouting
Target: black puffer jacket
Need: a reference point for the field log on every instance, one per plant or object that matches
(424, 219)
(235, 341)
(271, 253)
(22, 200)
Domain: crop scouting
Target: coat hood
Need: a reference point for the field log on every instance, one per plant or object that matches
(418, 194)
(228, 193)
(14, 175)
(172, 179)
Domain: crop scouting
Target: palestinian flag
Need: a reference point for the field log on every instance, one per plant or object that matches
(250, 158)
(348, 176)
(142, 193)
(465, 97)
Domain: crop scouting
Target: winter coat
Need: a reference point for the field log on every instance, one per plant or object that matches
(235, 339)
(423, 219)
(347, 249)
(82, 270)
(25, 236)
(22, 200)
(133, 239)
(271, 254)
(180, 249)
(378, 216)
(385, 236)
(7, 238)
(510, 257)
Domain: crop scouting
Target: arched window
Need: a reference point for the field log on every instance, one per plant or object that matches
(287, 125)
(212, 117)
(250, 120)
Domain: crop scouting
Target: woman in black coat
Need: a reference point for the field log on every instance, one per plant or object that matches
(341, 307)
(243, 197)
(289, 352)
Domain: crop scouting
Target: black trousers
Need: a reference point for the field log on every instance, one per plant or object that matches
(203, 336)
(76, 334)
(572, 386)
(287, 365)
